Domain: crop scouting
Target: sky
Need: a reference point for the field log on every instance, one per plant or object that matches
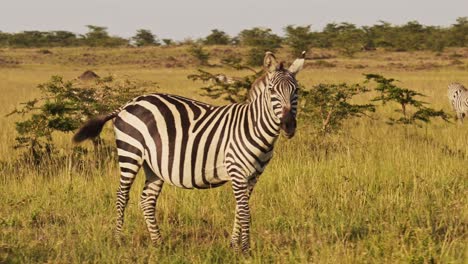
(179, 20)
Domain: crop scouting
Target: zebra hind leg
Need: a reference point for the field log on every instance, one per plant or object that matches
(149, 197)
(128, 170)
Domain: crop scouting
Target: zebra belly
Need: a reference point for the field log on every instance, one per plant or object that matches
(193, 164)
(209, 177)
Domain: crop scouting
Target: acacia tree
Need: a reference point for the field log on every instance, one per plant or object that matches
(168, 42)
(217, 37)
(144, 37)
(459, 32)
(230, 89)
(260, 40)
(406, 99)
(348, 39)
(327, 106)
(299, 38)
(98, 36)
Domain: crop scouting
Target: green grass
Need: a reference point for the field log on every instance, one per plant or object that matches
(377, 194)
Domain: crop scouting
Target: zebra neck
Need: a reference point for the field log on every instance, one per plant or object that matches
(266, 125)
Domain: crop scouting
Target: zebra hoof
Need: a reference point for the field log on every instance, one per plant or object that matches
(156, 243)
(235, 245)
(119, 240)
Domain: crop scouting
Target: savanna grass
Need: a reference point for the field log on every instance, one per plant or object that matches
(373, 193)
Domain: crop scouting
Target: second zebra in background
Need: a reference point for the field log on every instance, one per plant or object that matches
(458, 98)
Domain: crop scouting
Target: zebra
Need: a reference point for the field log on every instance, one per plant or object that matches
(190, 144)
(458, 98)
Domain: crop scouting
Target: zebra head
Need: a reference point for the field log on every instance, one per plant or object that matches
(282, 87)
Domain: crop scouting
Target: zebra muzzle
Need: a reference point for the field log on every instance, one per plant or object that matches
(288, 124)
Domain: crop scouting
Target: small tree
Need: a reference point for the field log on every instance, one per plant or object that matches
(200, 54)
(168, 42)
(459, 32)
(98, 36)
(217, 37)
(64, 105)
(298, 38)
(230, 89)
(327, 106)
(406, 98)
(349, 39)
(260, 40)
(144, 37)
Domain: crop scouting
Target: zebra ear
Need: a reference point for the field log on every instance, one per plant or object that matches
(269, 62)
(298, 64)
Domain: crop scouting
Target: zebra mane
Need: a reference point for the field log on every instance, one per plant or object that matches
(257, 87)
(457, 86)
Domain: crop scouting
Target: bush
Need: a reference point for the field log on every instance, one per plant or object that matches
(200, 54)
(298, 38)
(217, 37)
(327, 106)
(406, 99)
(98, 37)
(64, 105)
(232, 90)
(260, 40)
(144, 37)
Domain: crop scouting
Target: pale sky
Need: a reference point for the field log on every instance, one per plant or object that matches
(178, 19)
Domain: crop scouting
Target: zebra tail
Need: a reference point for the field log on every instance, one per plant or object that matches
(93, 127)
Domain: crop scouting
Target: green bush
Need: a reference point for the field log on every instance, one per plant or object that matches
(217, 37)
(64, 105)
(260, 40)
(232, 90)
(412, 110)
(327, 106)
(200, 54)
(144, 37)
(299, 38)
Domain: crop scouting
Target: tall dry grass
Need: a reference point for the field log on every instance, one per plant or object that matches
(374, 193)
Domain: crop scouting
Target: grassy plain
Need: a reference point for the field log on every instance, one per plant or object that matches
(380, 194)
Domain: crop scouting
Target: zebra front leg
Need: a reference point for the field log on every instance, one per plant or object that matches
(128, 171)
(242, 221)
(149, 197)
(236, 232)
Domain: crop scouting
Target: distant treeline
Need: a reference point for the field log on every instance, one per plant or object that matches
(344, 36)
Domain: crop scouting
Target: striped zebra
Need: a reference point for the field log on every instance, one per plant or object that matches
(190, 144)
(458, 97)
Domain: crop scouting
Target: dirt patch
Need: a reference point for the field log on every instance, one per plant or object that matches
(321, 64)
(44, 51)
(8, 62)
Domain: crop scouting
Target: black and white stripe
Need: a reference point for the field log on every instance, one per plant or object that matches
(458, 98)
(190, 144)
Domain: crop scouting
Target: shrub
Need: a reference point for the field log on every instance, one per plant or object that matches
(64, 105)
(406, 99)
(200, 54)
(298, 38)
(327, 106)
(260, 40)
(144, 37)
(217, 37)
(232, 90)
